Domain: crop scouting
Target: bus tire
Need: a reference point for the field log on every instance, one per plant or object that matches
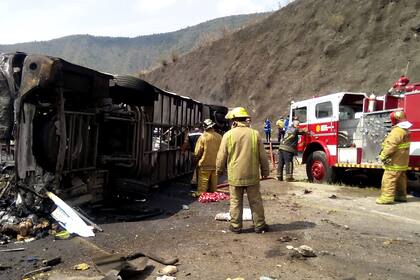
(317, 168)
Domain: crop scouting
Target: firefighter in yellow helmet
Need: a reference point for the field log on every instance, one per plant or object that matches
(242, 152)
(205, 155)
(395, 157)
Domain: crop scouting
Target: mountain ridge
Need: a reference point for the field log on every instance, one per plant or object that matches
(308, 48)
(133, 54)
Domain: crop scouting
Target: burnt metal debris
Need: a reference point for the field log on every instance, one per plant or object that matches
(85, 136)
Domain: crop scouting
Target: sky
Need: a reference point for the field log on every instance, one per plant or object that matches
(29, 20)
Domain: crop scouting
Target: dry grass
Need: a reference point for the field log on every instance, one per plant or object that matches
(143, 73)
(225, 31)
(163, 62)
(175, 56)
(206, 40)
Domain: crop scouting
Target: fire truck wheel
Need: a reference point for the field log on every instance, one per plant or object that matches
(317, 168)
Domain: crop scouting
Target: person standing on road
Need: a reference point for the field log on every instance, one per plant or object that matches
(242, 152)
(205, 155)
(189, 144)
(267, 130)
(280, 127)
(286, 124)
(395, 156)
(287, 150)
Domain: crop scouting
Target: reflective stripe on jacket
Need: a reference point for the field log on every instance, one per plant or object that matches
(396, 150)
(290, 140)
(206, 149)
(242, 151)
(267, 126)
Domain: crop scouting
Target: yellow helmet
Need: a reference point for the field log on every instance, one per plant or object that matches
(229, 115)
(238, 112)
(397, 116)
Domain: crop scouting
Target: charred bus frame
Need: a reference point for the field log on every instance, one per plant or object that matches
(83, 133)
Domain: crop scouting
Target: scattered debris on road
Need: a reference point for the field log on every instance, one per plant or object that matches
(68, 218)
(12, 250)
(225, 216)
(285, 238)
(4, 267)
(213, 197)
(333, 196)
(52, 262)
(388, 242)
(301, 252)
(120, 264)
(62, 235)
(165, 277)
(25, 214)
(346, 227)
(306, 191)
(81, 266)
(306, 251)
(267, 278)
(36, 271)
(168, 270)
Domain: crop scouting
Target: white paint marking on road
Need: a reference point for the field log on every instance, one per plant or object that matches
(396, 216)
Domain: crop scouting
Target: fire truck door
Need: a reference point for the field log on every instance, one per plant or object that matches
(325, 124)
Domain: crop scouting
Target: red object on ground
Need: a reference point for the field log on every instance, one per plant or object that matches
(212, 197)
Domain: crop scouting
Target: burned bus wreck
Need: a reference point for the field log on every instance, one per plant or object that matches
(86, 134)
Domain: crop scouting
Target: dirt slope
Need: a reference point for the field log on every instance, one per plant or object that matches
(310, 47)
(130, 55)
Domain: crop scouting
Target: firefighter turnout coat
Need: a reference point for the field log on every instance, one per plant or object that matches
(396, 148)
(206, 149)
(290, 140)
(395, 156)
(242, 151)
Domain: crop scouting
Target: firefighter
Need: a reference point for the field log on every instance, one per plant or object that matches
(190, 141)
(280, 127)
(287, 150)
(242, 151)
(192, 137)
(395, 156)
(205, 155)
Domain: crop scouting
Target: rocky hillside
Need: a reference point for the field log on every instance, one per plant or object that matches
(310, 47)
(130, 55)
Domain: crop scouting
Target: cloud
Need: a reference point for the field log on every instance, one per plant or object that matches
(48, 19)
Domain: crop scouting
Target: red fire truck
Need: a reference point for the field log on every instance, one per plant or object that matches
(346, 130)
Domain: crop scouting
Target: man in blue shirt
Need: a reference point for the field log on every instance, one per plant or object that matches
(267, 130)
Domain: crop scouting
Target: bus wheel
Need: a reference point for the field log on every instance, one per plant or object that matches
(317, 168)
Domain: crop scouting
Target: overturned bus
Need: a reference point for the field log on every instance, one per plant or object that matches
(82, 133)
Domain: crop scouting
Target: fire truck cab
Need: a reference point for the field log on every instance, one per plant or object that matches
(345, 130)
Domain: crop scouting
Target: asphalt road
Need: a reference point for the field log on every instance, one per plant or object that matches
(352, 236)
